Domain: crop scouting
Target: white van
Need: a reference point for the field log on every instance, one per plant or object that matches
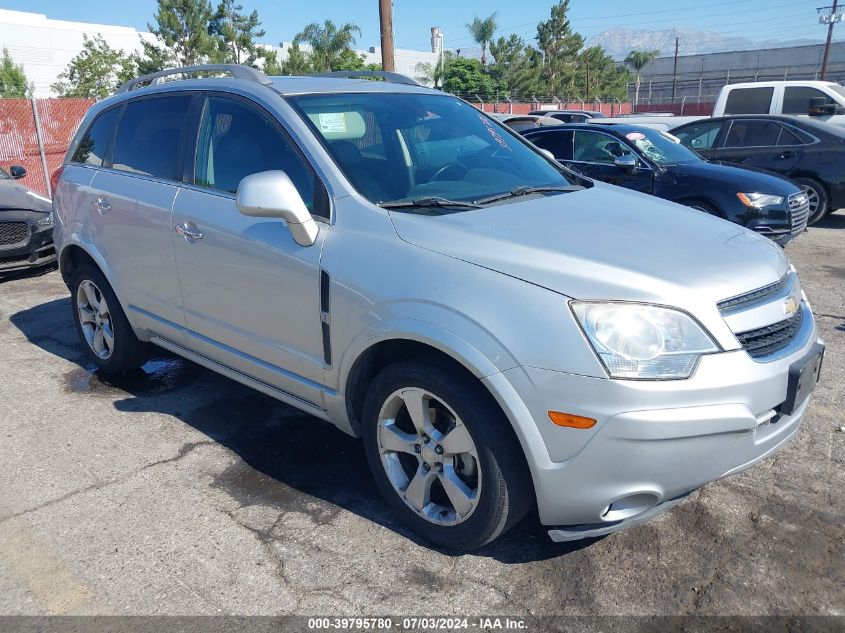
(824, 100)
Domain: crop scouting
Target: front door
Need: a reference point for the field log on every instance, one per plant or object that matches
(251, 293)
(594, 155)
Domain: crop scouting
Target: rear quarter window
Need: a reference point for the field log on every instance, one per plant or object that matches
(95, 143)
(749, 100)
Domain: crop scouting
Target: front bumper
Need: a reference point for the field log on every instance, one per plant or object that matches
(654, 441)
(37, 250)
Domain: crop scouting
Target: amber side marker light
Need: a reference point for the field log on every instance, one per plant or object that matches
(570, 420)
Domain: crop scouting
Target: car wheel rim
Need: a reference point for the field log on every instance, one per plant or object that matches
(429, 456)
(95, 319)
(812, 198)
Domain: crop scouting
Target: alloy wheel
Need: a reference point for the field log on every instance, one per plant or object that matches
(812, 199)
(429, 456)
(95, 319)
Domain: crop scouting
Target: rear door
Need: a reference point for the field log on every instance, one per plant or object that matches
(594, 155)
(132, 197)
(761, 143)
(701, 137)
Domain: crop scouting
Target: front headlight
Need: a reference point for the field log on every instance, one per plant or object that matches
(641, 341)
(759, 200)
(46, 220)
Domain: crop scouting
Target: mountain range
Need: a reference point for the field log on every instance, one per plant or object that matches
(618, 42)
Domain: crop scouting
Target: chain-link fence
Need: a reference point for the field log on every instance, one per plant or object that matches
(524, 105)
(35, 133)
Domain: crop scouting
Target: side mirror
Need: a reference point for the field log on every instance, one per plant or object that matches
(627, 163)
(271, 194)
(17, 172)
(547, 154)
(819, 106)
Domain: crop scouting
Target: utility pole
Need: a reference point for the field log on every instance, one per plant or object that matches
(587, 77)
(830, 20)
(385, 14)
(675, 71)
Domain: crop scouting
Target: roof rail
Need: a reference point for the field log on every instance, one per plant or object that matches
(389, 77)
(238, 71)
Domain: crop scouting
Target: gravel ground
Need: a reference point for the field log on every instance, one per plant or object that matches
(177, 491)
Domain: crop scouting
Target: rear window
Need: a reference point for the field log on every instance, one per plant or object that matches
(94, 145)
(147, 141)
(753, 134)
(559, 143)
(749, 101)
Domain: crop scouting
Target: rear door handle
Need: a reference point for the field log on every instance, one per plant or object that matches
(189, 231)
(102, 205)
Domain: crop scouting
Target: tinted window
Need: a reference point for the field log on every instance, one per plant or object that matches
(753, 134)
(749, 101)
(558, 143)
(700, 135)
(796, 99)
(237, 140)
(594, 147)
(147, 139)
(789, 138)
(94, 145)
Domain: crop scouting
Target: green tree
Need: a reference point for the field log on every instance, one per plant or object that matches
(236, 33)
(328, 44)
(560, 46)
(297, 62)
(599, 76)
(349, 60)
(96, 72)
(432, 74)
(271, 65)
(466, 78)
(13, 83)
(182, 30)
(638, 60)
(482, 31)
(516, 65)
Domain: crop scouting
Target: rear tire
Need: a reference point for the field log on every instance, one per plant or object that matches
(454, 472)
(102, 325)
(819, 202)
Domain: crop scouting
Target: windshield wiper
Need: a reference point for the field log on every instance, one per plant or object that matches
(429, 202)
(526, 191)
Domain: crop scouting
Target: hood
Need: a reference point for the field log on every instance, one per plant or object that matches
(745, 179)
(605, 242)
(15, 196)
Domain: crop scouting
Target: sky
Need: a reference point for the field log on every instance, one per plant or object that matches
(282, 19)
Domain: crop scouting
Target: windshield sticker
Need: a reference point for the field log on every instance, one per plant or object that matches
(332, 122)
(635, 136)
(493, 132)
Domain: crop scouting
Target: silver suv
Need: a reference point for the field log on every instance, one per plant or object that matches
(499, 331)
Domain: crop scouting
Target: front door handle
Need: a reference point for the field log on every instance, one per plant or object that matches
(189, 231)
(102, 205)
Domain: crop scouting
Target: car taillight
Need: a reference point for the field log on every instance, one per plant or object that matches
(54, 179)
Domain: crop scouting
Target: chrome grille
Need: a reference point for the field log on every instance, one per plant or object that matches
(771, 338)
(755, 296)
(13, 234)
(799, 209)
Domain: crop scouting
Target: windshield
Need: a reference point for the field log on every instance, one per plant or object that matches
(661, 147)
(396, 147)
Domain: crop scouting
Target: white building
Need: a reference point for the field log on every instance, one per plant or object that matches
(45, 47)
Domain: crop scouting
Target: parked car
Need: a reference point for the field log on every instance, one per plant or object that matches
(520, 122)
(26, 225)
(822, 100)
(570, 116)
(810, 153)
(499, 331)
(663, 123)
(654, 162)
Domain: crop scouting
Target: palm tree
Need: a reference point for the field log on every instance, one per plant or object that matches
(482, 32)
(327, 43)
(639, 60)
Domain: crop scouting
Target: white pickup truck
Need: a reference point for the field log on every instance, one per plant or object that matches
(823, 100)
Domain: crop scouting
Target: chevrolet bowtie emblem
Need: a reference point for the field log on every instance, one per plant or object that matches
(790, 306)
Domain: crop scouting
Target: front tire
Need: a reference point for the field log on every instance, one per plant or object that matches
(102, 325)
(443, 455)
(818, 198)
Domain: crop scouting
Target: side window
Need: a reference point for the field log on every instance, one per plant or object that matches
(94, 145)
(237, 140)
(796, 99)
(749, 101)
(148, 136)
(699, 136)
(593, 147)
(753, 134)
(558, 143)
(789, 138)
